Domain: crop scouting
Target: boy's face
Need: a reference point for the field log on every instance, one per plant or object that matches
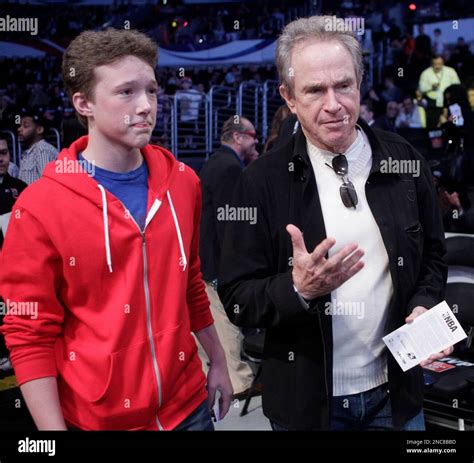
(124, 103)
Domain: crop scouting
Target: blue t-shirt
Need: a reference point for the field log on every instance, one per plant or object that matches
(131, 188)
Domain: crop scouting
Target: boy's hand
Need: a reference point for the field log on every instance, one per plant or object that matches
(218, 380)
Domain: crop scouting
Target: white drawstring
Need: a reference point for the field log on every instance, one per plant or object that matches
(178, 232)
(106, 227)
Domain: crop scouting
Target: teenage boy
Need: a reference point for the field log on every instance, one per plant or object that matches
(106, 246)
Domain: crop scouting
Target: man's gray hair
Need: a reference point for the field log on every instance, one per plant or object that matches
(314, 28)
(231, 125)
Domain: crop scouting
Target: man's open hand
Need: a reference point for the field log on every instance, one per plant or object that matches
(313, 274)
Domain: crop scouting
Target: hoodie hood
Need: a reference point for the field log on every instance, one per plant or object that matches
(66, 170)
(162, 168)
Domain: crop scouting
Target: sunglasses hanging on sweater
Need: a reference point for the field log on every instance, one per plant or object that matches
(348, 193)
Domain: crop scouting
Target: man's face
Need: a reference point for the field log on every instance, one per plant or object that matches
(124, 103)
(4, 157)
(437, 64)
(326, 95)
(247, 141)
(186, 85)
(392, 109)
(408, 105)
(28, 131)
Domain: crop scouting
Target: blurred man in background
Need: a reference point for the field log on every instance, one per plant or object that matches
(218, 178)
(37, 151)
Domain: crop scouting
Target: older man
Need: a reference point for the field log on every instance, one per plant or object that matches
(321, 202)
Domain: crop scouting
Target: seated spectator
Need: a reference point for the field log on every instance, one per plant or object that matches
(378, 105)
(387, 122)
(391, 91)
(411, 115)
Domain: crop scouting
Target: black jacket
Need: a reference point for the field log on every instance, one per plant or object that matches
(218, 176)
(256, 287)
(10, 189)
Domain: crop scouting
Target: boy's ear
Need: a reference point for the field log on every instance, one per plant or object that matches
(81, 104)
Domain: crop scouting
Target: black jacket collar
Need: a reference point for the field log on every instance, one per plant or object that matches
(302, 163)
(227, 149)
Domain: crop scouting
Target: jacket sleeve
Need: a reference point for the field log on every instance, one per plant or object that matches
(198, 302)
(431, 282)
(29, 278)
(254, 293)
(222, 195)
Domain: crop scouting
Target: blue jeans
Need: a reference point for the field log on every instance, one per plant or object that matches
(366, 411)
(199, 420)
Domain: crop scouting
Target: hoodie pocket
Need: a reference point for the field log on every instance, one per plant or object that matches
(129, 399)
(179, 364)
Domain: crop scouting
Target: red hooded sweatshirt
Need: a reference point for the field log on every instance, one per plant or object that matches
(115, 306)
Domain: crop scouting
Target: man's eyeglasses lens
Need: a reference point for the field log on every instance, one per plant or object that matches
(348, 194)
(249, 133)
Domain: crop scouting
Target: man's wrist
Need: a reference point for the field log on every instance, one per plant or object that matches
(304, 302)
